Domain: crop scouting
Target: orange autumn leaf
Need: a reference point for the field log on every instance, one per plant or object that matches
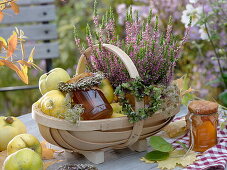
(12, 44)
(15, 7)
(22, 73)
(1, 63)
(47, 153)
(28, 64)
(1, 45)
(10, 65)
(1, 16)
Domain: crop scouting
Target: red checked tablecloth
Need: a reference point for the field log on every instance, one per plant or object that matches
(214, 158)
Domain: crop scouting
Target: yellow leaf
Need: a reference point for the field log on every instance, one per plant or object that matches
(187, 91)
(146, 160)
(21, 73)
(15, 7)
(2, 6)
(30, 58)
(28, 64)
(182, 84)
(179, 82)
(24, 70)
(1, 16)
(12, 44)
(3, 41)
(169, 163)
(177, 158)
(47, 153)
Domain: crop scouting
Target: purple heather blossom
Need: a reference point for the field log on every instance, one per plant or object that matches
(153, 52)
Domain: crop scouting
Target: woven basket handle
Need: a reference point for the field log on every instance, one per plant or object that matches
(132, 70)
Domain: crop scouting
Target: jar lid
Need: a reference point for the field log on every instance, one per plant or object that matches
(203, 107)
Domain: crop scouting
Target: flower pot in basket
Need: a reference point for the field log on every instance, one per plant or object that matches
(92, 137)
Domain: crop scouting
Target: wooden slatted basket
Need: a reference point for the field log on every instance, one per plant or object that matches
(92, 137)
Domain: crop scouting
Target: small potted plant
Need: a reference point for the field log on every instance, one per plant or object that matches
(140, 69)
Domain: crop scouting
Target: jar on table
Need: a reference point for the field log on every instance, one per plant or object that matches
(202, 120)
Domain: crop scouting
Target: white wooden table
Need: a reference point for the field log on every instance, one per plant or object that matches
(124, 159)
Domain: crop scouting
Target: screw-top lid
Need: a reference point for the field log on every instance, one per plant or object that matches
(203, 107)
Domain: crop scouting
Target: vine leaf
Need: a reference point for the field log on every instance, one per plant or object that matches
(159, 144)
(176, 158)
(156, 156)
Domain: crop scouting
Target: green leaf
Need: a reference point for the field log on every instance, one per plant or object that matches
(158, 143)
(156, 156)
(223, 98)
(218, 80)
(183, 145)
(186, 98)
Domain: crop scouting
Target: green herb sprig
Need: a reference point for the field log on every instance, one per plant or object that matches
(138, 89)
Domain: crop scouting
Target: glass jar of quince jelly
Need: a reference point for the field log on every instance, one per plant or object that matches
(94, 102)
(202, 120)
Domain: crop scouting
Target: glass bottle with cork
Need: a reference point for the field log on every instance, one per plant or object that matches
(202, 120)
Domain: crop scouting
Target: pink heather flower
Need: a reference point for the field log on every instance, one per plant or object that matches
(153, 52)
(96, 20)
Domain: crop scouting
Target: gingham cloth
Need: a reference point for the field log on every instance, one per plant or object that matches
(214, 158)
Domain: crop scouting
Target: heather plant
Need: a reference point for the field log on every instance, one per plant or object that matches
(154, 52)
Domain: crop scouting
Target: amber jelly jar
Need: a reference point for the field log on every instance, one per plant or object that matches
(202, 120)
(94, 102)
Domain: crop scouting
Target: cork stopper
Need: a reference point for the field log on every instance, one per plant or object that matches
(79, 77)
(203, 107)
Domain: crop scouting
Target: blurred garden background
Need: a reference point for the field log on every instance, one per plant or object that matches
(203, 60)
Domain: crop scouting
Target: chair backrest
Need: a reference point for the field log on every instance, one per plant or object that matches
(37, 20)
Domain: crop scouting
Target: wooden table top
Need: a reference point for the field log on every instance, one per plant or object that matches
(124, 159)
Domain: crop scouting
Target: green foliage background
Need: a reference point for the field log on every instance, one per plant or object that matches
(71, 13)
(78, 13)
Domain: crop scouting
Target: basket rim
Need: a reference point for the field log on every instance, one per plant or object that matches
(90, 125)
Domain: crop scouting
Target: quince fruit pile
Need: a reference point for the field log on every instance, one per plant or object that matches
(55, 103)
(117, 110)
(24, 150)
(9, 128)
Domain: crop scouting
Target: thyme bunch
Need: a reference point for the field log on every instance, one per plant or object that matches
(140, 90)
